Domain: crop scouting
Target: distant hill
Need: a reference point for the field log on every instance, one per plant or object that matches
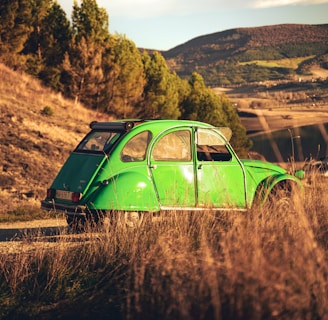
(244, 55)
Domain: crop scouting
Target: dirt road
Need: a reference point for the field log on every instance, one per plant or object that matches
(23, 236)
(259, 120)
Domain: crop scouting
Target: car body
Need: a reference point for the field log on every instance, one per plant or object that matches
(150, 166)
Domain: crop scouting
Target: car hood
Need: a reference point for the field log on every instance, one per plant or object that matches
(261, 168)
(262, 165)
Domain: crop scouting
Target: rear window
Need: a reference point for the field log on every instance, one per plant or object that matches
(98, 141)
(135, 149)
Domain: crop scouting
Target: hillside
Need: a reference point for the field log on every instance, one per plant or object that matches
(232, 56)
(33, 143)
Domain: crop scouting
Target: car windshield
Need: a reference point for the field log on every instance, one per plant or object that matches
(98, 141)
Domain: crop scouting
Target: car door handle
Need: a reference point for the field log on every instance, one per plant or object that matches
(153, 166)
(200, 166)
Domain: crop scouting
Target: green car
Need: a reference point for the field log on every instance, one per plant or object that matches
(132, 168)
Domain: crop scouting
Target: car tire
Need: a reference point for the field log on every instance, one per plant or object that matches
(76, 224)
(282, 197)
(131, 219)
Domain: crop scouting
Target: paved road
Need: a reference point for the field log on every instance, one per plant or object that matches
(257, 121)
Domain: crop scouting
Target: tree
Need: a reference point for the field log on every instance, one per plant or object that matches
(15, 27)
(239, 139)
(82, 65)
(56, 36)
(125, 78)
(90, 21)
(204, 105)
(161, 95)
(48, 42)
(40, 9)
(82, 72)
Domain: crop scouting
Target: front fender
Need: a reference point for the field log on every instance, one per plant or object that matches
(126, 191)
(283, 180)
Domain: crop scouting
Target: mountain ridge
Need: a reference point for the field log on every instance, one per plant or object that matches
(211, 53)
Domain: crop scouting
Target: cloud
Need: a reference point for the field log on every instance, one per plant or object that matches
(281, 3)
(146, 9)
(153, 8)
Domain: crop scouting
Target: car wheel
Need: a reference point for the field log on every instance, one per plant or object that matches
(76, 224)
(132, 219)
(282, 197)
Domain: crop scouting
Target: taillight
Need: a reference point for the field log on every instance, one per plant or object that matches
(76, 196)
(51, 193)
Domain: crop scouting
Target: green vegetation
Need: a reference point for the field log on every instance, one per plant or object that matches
(105, 72)
(254, 265)
(47, 111)
(282, 52)
(292, 63)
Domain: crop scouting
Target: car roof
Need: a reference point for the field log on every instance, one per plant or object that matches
(128, 124)
(155, 124)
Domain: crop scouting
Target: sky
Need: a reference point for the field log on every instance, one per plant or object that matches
(165, 24)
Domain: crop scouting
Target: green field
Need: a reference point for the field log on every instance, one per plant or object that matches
(291, 63)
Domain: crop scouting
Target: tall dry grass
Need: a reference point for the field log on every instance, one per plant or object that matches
(255, 265)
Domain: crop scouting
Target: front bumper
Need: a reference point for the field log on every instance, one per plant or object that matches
(69, 210)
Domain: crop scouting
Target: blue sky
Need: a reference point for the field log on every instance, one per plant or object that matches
(164, 24)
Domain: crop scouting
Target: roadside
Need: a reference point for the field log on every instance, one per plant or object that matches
(257, 121)
(33, 224)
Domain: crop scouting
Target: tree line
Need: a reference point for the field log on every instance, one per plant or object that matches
(106, 72)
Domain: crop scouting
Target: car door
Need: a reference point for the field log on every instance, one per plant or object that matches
(172, 169)
(220, 176)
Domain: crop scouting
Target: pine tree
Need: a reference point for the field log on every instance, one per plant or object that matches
(56, 36)
(82, 66)
(15, 26)
(161, 95)
(90, 21)
(48, 44)
(126, 81)
(40, 9)
(204, 105)
(82, 70)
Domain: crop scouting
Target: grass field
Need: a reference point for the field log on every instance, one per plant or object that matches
(282, 63)
(262, 264)
(256, 265)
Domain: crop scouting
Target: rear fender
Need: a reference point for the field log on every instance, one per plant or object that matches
(125, 191)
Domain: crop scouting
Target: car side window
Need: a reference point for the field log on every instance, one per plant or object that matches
(175, 146)
(211, 147)
(135, 149)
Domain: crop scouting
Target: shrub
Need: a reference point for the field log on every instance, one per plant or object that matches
(47, 111)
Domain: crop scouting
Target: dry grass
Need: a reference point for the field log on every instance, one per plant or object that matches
(257, 265)
(34, 145)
